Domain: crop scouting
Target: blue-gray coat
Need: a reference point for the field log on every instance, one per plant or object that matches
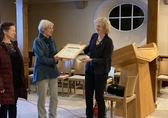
(45, 66)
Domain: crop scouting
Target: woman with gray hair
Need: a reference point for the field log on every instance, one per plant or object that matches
(45, 70)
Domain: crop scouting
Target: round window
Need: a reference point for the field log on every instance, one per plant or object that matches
(126, 17)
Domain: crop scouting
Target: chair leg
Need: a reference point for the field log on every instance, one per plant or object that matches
(112, 110)
(135, 108)
(125, 109)
(74, 86)
(29, 85)
(68, 87)
(62, 81)
(83, 90)
(160, 85)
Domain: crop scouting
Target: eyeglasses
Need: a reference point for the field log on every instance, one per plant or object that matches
(50, 28)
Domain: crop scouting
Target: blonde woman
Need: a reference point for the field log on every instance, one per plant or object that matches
(100, 50)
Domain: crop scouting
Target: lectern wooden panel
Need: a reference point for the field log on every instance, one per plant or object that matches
(132, 61)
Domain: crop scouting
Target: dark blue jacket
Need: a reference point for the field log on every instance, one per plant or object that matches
(45, 66)
(102, 56)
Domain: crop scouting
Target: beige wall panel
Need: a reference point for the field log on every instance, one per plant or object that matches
(7, 11)
(72, 25)
(163, 29)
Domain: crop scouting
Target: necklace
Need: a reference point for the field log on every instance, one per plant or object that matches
(99, 40)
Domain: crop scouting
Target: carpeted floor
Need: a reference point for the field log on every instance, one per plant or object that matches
(29, 110)
(162, 105)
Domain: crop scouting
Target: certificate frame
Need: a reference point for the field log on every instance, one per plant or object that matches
(70, 51)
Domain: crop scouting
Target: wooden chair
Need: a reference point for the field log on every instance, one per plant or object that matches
(117, 74)
(30, 77)
(110, 77)
(64, 68)
(129, 95)
(163, 73)
(79, 75)
(32, 65)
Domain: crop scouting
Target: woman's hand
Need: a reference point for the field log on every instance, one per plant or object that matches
(56, 58)
(2, 91)
(85, 60)
(81, 43)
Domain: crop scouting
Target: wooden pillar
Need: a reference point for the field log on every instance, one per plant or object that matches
(152, 36)
(22, 31)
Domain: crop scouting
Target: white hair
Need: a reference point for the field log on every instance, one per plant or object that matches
(44, 24)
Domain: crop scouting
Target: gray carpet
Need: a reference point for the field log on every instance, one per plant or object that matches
(29, 110)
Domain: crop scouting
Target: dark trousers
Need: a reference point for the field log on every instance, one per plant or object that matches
(95, 83)
(10, 108)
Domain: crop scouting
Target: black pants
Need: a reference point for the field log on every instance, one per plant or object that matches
(95, 83)
(11, 108)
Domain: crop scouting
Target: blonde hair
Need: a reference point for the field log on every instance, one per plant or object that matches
(44, 24)
(106, 24)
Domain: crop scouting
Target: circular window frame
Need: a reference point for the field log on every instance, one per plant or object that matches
(131, 17)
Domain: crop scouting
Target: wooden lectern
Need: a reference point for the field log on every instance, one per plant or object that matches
(132, 61)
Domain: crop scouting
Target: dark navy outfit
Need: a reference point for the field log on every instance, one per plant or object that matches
(96, 73)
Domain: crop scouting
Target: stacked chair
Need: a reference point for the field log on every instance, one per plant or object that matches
(64, 68)
(30, 76)
(79, 75)
(163, 73)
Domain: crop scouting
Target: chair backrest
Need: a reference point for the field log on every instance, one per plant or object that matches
(32, 61)
(72, 63)
(163, 68)
(64, 66)
(80, 66)
(130, 85)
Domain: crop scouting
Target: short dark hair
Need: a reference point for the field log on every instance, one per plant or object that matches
(4, 26)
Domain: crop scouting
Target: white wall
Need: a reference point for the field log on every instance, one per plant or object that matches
(163, 29)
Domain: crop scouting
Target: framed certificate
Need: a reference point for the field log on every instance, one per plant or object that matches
(71, 51)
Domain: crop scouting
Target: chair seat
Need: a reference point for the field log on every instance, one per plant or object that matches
(160, 79)
(163, 77)
(63, 77)
(109, 96)
(77, 78)
(117, 74)
(31, 76)
(31, 69)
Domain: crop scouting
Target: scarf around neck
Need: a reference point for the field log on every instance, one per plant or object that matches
(49, 42)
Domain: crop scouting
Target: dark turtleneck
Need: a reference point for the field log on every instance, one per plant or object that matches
(49, 42)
